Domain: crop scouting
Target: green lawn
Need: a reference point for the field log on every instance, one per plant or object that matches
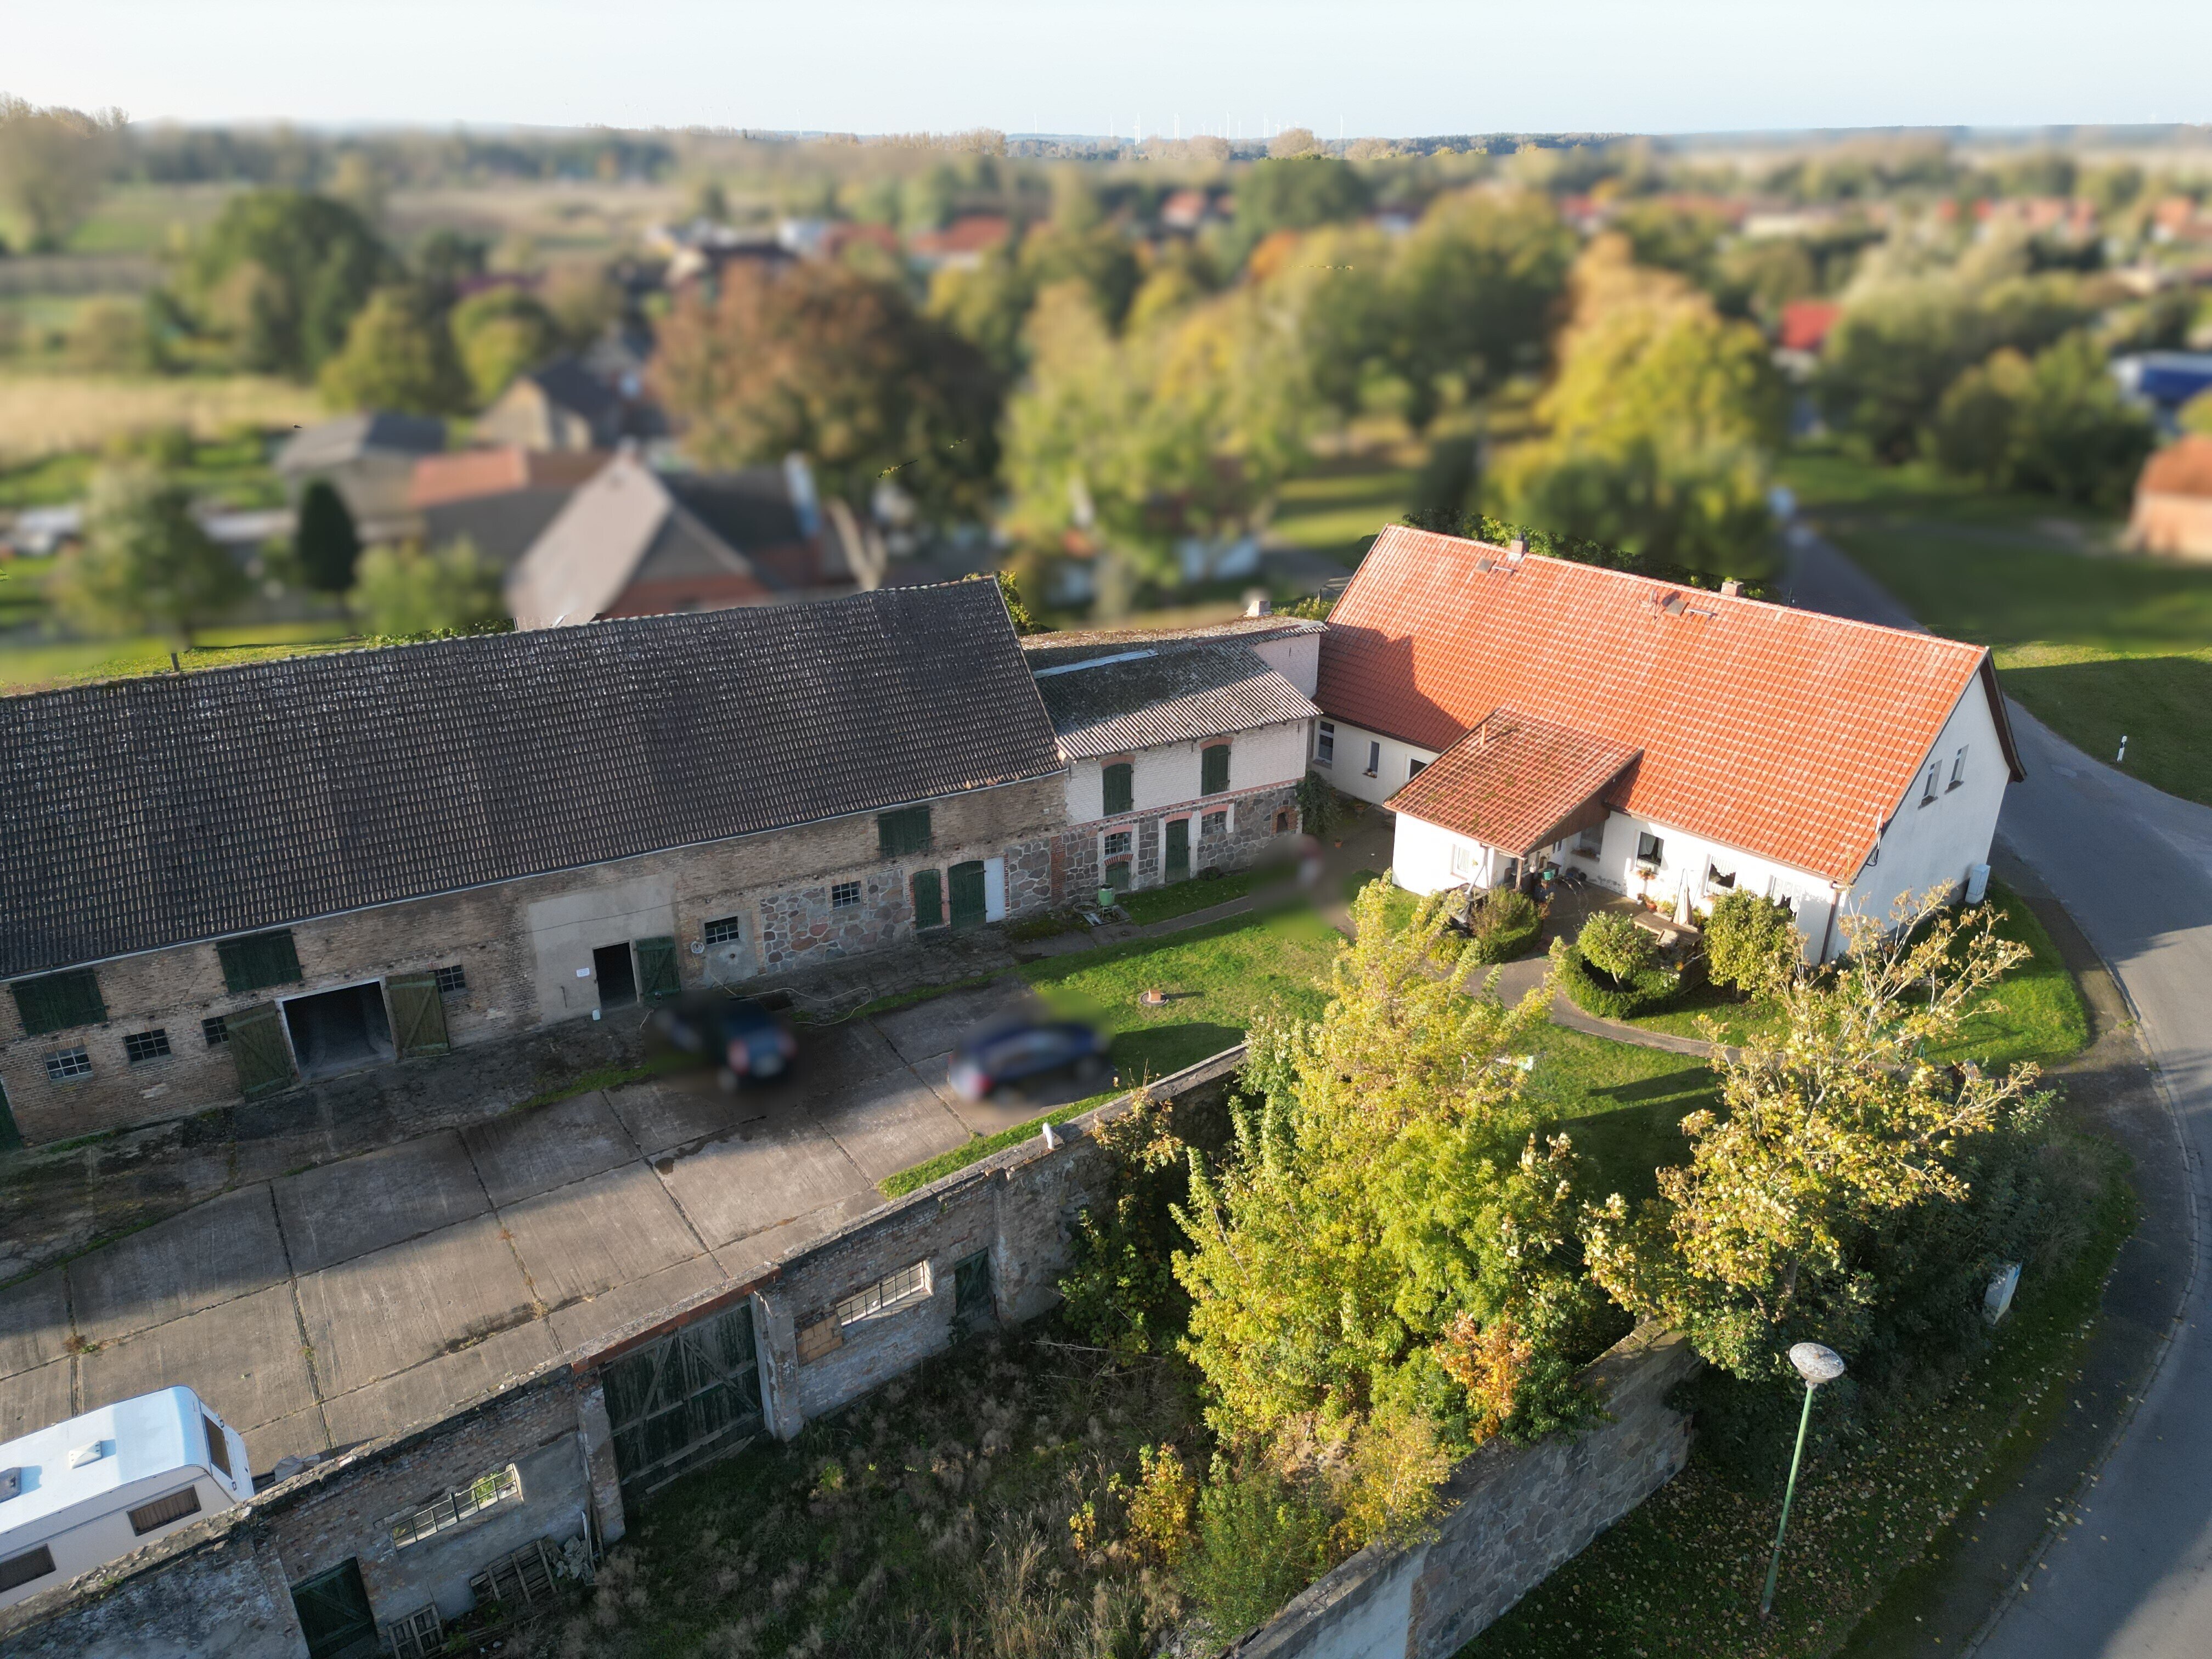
(2036, 1013)
(35, 668)
(2096, 645)
(1338, 506)
(1165, 904)
(1621, 1105)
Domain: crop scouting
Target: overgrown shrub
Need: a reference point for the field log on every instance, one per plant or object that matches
(1612, 942)
(1505, 926)
(1594, 992)
(1262, 1537)
(1751, 942)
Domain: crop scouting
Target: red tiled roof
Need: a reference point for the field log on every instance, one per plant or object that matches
(462, 475)
(1789, 733)
(973, 233)
(1806, 323)
(2182, 468)
(1516, 783)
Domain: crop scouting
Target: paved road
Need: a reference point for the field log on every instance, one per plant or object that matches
(345, 1302)
(2132, 1579)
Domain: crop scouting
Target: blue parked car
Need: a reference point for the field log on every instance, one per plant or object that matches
(1013, 1053)
(741, 1039)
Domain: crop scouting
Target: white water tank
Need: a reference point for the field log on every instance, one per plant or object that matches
(1977, 882)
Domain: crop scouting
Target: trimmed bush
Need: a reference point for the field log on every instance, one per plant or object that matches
(1596, 992)
(1751, 942)
(1612, 942)
(1505, 926)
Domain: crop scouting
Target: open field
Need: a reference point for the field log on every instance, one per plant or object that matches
(2096, 645)
(43, 415)
(72, 662)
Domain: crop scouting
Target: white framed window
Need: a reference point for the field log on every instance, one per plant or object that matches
(1462, 859)
(1118, 843)
(1717, 877)
(1374, 759)
(1650, 848)
(444, 1514)
(1958, 767)
(1214, 826)
(887, 1295)
(724, 930)
(1591, 842)
(1325, 744)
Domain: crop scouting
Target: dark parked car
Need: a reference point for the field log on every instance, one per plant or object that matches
(1016, 1052)
(741, 1039)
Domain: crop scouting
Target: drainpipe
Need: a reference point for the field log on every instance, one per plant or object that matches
(1828, 932)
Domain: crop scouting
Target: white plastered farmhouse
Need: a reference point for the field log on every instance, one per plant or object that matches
(1669, 741)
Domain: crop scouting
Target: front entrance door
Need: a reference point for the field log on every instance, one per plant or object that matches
(334, 1614)
(1178, 855)
(618, 979)
(689, 1398)
(968, 894)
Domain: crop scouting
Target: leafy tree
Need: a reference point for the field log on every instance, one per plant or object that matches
(145, 565)
(583, 299)
(500, 334)
(1291, 142)
(1835, 1130)
(324, 539)
(1473, 290)
(1096, 255)
(819, 360)
(110, 336)
(280, 275)
(53, 164)
(1374, 1246)
(2196, 414)
(2057, 424)
(448, 256)
(1298, 193)
(1762, 277)
(987, 305)
(1752, 942)
(398, 355)
(1610, 941)
(403, 591)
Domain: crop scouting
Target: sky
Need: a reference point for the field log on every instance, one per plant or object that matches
(1380, 68)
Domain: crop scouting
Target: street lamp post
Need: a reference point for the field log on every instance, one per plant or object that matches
(1816, 1364)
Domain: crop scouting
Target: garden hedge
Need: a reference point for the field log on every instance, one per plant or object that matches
(1594, 992)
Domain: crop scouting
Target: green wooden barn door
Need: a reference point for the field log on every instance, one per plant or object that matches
(657, 979)
(1178, 857)
(418, 1015)
(967, 893)
(258, 1049)
(928, 899)
(685, 1400)
(334, 1615)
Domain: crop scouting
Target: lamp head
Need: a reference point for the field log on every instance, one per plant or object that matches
(1816, 1364)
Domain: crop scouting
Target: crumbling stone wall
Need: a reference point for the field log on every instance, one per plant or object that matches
(221, 1595)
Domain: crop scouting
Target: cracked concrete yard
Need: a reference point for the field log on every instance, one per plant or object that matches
(344, 1302)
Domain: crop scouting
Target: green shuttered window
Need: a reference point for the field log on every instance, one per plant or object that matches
(1120, 789)
(904, 831)
(1213, 770)
(54, 1002)
(259, 960)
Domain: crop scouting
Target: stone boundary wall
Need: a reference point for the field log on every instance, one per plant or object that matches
(1518, 1513)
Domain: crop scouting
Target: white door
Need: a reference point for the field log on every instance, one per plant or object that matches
(994, 890)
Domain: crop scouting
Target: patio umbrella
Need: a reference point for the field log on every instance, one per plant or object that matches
(1685, 912)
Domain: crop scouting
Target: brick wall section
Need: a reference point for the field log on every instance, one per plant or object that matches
(1519, 1513)
(214, 1593)
(520, 943)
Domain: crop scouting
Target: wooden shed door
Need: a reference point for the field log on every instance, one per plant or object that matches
(928, 899)
(656, 969)
(689, 1398)
(418, 1015)
(334, 1614)
(1178, 854)
(259, 1050)
(968, 905)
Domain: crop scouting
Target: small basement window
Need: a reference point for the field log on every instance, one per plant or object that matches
(447, 1512)
(887, 1295)
(151, 1517)
(54, 1002)
(904, 831)
(1325, 744)
(452, 980)
(724, 930)
(139, 1047)
(844, 894)
(67, 1064)
(1650, 848)
(215, 1030)
(1214, 826)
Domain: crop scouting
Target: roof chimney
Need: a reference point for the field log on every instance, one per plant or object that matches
(1732, 587)
(1516, 547)
(1257, 604)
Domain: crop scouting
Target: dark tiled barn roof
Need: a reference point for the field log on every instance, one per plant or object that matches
(1169, 692)
(152, 812)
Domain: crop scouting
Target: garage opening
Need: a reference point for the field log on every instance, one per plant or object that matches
(339, 1030)
(618, 979)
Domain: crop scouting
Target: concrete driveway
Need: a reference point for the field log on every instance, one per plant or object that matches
(344, 1302)
(2130, 1573)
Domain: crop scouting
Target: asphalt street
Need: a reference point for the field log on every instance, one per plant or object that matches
(2130, 1574)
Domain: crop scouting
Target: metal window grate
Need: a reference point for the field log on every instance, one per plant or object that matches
(417, 1635)
(892, 1292)
(149, 1517)
(65, 1064)
(22, 1569)
(451, 979)
(724, 930)
(844, 894)
(139, 1047)
(215, 1030)
(457, 1505)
